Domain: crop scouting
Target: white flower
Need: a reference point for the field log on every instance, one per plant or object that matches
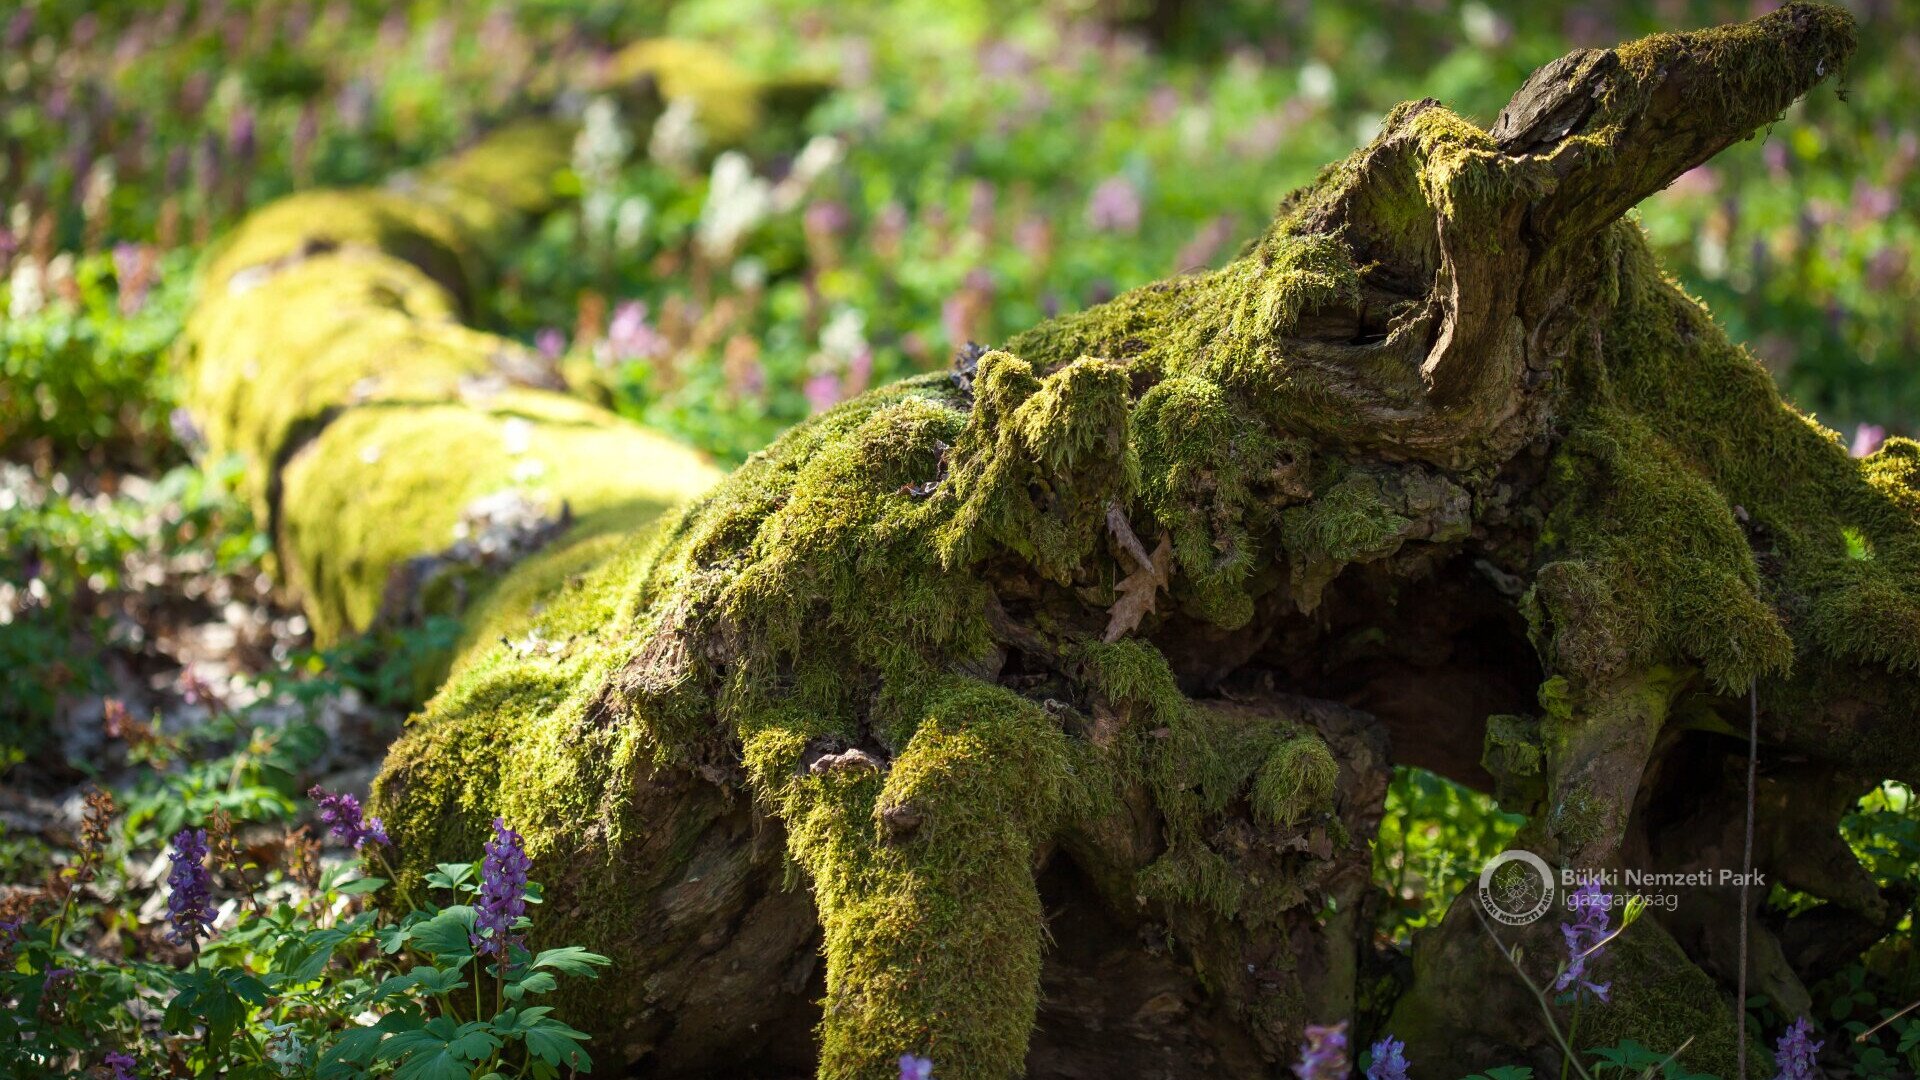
(1316, 81)
(284, 1048)
(816, 159)
(1483, 26)
(677, 137)
(26, 293)
(749, 274)
(630, 222)
(845, 335)
(99, 188)
(596, 213)
(737, 201)
(602, 145)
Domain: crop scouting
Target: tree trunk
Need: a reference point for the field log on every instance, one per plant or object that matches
(1051, 701)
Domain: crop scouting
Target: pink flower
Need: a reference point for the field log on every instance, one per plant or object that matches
(826, 218)
(1873, 202)
(859, 372)
(1867, 438)
(1776, 157)
(630, 336)
(1114, 206)
(1700, 180)
(822, 391)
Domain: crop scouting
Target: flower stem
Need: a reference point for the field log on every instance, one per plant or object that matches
(1546, 1010)
(1573, 1027)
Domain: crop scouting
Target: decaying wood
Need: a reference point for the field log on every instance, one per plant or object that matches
(902, 739)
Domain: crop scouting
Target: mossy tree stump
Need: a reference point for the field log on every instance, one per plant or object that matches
(1051, 701)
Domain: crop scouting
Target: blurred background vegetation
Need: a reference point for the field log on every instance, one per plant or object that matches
(971, 167)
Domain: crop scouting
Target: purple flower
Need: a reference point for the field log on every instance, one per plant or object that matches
(503, 891)
(242, 137)
(1324, 1055)
(913, 1067)
(341, 814)
(1795, 1053)
(189, 889)
(1114, 206)
(19, 29)
(552, 343)
(130, 272)
(185, 431)
(122, 1066)
(1389, 1060)
(1867, 438)
(1592, 911)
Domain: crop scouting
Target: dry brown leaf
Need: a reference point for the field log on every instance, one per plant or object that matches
(1137, 591)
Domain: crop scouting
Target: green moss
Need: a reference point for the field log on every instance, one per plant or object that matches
(371, 491)
(1225, 325)
(1756, 73)
(933, 940)
(1673, 436)
(1660, 999)
(1199, 761)
(1351, 519)
(1512, 754)
(299, 226)
(1036, 469)
(1296, 781)
(1205, 465)
(493, 189)
(726, 99)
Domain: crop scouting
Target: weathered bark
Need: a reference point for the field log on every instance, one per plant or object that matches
(1050, 701)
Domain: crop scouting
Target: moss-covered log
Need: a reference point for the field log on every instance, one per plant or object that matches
(1050, 700)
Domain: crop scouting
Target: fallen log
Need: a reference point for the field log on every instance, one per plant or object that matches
(1036, 716)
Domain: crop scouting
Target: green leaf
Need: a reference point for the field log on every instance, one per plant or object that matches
(219, 1000)
(512, 1021)
(448, 935)
(571, 960)
(421, 977)
(393, 938)
(350, 1054)
(1625, 1056)
(534, 982)
(452, 876)
(557, 1044)
(360, 885)
(440, 1050)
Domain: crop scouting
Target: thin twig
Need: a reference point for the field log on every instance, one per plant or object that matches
(1660, 1069)
(1746, 872)
(1868, 1034)
(1546, 1010)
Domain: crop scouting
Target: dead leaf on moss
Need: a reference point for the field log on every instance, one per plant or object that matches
(1137, 589)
